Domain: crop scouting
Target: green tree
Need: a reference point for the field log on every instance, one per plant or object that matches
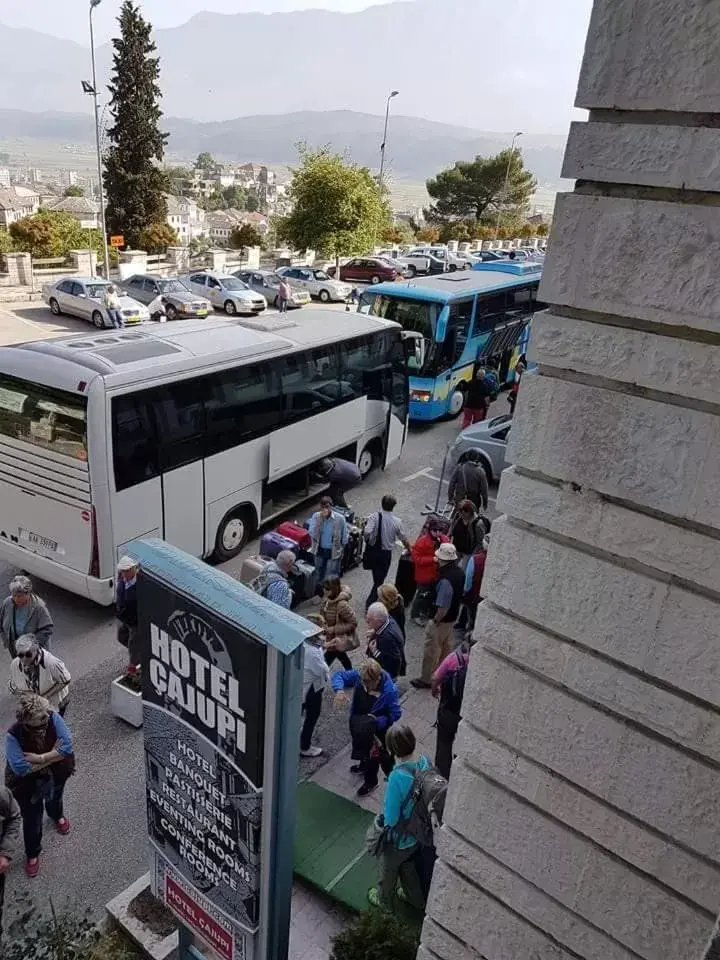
(428, 234)
(252, 202)
(473, 189)
(52, 233)
(205, 162)
(157, 237)
(73, 191)
(338, 207)
(135, 184)
(235, 197)
(376, 933)
(245, 236)
(178, 173)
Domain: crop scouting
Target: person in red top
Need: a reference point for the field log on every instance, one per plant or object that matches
(423, 557)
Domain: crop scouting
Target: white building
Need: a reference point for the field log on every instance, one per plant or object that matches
(185, 217)
(16, 203)
(85, 211)
(4, 177)
(69, 178)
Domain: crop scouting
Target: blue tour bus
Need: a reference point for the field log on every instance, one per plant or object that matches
(465, 318)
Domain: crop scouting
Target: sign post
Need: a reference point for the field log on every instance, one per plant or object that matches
(222, 690)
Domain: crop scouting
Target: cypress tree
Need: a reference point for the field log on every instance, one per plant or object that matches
(134, 182)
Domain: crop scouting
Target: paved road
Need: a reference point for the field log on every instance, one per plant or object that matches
(106, 850)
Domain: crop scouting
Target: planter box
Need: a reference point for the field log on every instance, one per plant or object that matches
(126, 703)
(152, 945)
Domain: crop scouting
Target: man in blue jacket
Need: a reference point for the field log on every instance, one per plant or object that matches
(374, 708)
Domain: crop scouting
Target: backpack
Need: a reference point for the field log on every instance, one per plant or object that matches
(263, 580)
(426, 805)
(453, 686)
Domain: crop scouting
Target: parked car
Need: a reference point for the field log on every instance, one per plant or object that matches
(366, 270)
(485, 256)
(266, 283)
(226, 293)
(83, 297)
(180, 301)
(318, 283)
(489, 438)
(454, 261)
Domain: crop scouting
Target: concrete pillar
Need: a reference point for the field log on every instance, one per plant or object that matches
(583, 816)
(452, 246)
(132, 261)
(251, 258)
(19, 269)
(84, 262)
(217, 260)
(178, 259)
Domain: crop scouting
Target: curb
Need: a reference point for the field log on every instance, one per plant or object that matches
(150, 943)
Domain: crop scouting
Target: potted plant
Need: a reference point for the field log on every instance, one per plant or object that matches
(376, 933)
(126, 697)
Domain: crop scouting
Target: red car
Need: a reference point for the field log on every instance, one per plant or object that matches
(367, 270)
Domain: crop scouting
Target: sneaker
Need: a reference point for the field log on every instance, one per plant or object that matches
(401, 894)
(311, 752)
(419, 621)
(63, 826)
(374, 897)
(366, 789)
(420, 684)
(357, 768)
(32, 866)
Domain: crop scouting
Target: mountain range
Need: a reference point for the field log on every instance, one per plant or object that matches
(471, 63)
(416, 148)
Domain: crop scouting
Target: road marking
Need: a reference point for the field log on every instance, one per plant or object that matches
(425, 472)
(436, 479)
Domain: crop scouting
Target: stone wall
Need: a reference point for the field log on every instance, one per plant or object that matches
(583, 818)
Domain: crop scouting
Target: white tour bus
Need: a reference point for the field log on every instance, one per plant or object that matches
(197, 432)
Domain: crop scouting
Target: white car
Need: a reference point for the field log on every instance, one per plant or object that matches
(318, 283)
(83, 297)
(226, 293)
(454, 261)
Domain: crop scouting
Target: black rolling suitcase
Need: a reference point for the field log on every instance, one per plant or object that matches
(405, 578)
(352, 555)
(303, 581)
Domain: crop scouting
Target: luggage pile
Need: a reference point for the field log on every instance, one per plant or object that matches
(291, 536)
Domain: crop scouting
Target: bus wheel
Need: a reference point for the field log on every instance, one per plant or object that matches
(368, 460)
(233, 533)
(457, 402)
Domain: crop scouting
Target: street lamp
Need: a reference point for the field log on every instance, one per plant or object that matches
(394, 93)
(507, 181)
(92, 90)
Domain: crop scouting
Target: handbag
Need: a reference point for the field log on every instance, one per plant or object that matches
(376, 836)
(373, 550)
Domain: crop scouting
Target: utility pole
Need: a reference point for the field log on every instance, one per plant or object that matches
(101, 189)
(507, 181)
(394, 93)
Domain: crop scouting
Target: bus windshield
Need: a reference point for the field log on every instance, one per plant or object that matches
(415, 315)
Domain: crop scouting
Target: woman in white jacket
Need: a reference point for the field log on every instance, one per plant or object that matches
(35, 670)
(315, 679)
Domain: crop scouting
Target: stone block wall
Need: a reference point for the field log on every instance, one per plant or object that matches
(583, 817)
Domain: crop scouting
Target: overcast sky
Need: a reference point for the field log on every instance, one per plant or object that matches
(68, 18)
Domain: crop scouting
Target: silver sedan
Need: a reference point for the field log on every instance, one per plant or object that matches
(489, 438)
(83, 297)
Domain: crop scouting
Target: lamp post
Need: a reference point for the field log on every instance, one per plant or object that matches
(92, 89)
(394, 93)
(507, 181)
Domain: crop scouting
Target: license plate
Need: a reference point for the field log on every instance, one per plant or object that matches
(37, 541)
(202, 313)
(132, 319)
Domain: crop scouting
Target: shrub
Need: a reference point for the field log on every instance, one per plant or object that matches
(376, 935)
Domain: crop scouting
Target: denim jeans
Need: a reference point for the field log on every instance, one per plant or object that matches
(116, 317)
(325, 566)
(32, 815)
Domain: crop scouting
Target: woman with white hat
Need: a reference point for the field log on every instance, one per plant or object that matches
(449, 590)
(126, 606)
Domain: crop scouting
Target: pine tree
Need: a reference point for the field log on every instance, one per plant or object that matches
(134, 182)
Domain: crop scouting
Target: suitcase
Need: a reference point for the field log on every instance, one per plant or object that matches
(293, 531)
(352, 554)
(272, 543)
(252, 567)
(405, 578)
(303, 581)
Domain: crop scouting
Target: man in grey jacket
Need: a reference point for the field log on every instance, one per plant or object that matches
(10, 823)
(24, 612)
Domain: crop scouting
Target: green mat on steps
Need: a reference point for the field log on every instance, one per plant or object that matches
(330, 845)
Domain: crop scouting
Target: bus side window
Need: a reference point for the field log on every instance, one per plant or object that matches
(135, 447)
(241, 404)
(180, 415)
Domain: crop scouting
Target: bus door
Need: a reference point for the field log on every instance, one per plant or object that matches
(399, 407)
(180, 417)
